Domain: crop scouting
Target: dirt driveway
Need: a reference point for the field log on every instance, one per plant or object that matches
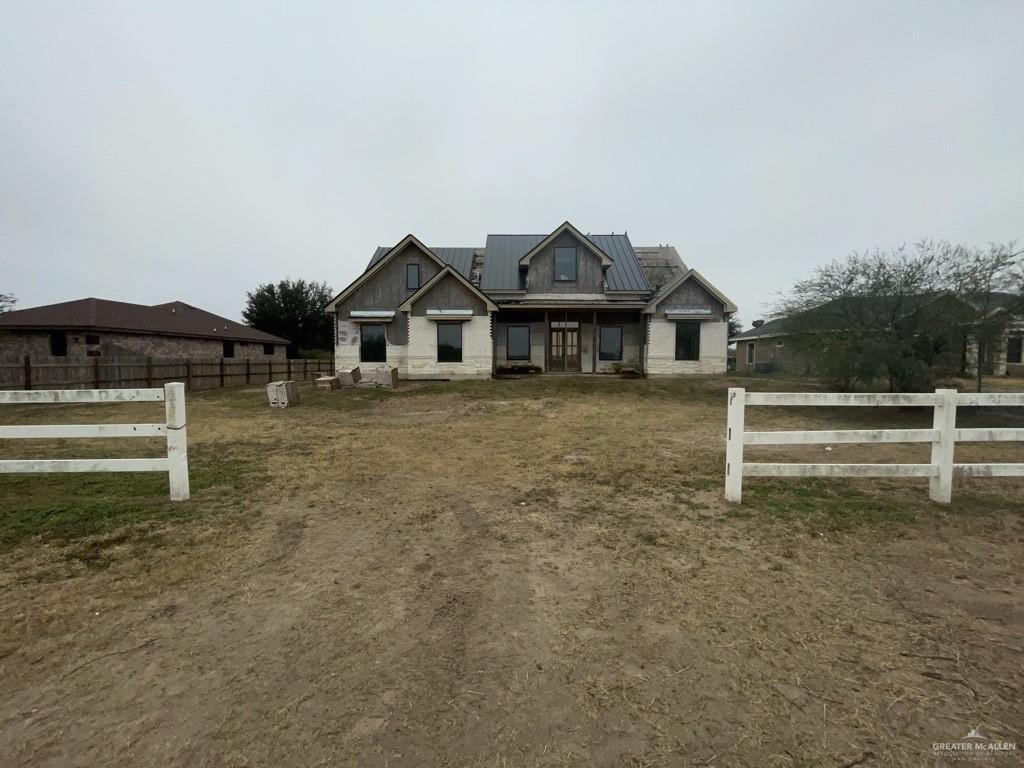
(528, 573)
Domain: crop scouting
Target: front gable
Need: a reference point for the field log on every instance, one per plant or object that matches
(448, 291)
(383, 285)
(690, 296)
(591, 263)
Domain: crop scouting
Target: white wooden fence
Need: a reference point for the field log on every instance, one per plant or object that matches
(175, 464)
(943, 437)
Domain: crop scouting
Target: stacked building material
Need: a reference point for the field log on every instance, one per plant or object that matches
(281, 394)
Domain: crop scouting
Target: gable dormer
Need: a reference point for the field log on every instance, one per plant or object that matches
(566, 261)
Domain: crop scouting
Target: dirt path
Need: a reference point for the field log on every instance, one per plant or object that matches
(396, 617)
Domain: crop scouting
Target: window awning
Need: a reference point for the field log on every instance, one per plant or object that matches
(449, 314)
(688, 313)
(371, 315)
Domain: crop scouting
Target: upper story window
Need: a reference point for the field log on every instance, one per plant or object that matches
(565, 265)
(412, 277)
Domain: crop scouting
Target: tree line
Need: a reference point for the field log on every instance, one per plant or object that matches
(906, 317)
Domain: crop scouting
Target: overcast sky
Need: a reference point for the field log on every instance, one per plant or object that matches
(156, 151)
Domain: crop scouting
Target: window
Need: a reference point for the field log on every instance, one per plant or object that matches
(449, 342)
(609, 342)
(688, 340)
(412, 276)
(229, 349)
(1014, 349)
(268, 349)
(373, 346)
(59, 344)
(92, 338)
(517, 342)
(565, 265)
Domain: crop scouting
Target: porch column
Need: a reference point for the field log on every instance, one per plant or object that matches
(593, 365)
(547, 330)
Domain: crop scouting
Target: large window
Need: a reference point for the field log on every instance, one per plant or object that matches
(688, 340)
(58, 344)
(449, 342)
(610, 342)
(412, 276)
(268, 349)
(565, 265)
(1014, 349)
(373, 346)
(518, 342)
(228, 349)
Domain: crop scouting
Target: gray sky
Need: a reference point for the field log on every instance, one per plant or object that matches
(156, 151)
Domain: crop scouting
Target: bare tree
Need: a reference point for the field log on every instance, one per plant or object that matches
(7, 302)
(880, 314)
(992, 282)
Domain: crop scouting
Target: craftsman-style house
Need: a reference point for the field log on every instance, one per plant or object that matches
(565, 302)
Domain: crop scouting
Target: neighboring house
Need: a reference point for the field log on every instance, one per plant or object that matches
(115, 329)
(561, 302)
(766, 347)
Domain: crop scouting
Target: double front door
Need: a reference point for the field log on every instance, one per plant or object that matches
(564, 346)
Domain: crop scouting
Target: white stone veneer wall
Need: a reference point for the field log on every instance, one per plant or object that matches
(661, 350)
(477, 350)
(346, 347)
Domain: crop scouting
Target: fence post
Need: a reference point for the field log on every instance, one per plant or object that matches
(940, 488)
(27, 372)
(177, 440)
(248, 370)
(734, 444)
(222, 373)
(289, 364)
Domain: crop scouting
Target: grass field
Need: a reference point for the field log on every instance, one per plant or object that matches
(536, 572)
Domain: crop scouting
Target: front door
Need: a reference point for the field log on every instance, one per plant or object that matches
(564, 347)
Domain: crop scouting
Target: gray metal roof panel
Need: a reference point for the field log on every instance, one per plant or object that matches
(625, 273)
(501, 260)
(461, 259)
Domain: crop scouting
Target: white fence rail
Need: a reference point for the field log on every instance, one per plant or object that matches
(943, 437)
(175, 464)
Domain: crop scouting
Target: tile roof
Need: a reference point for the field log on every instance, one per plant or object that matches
(175, 318)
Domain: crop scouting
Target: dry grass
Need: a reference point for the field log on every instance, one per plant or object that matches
(534, 572)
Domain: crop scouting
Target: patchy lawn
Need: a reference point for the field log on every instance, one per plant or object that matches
(536, 572)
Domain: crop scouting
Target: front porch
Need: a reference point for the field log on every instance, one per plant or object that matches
(568, 341)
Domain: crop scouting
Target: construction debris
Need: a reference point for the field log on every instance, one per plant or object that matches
(349, 377)
(327, 382)
(281, 394)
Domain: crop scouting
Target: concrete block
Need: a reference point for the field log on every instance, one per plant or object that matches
(327, 382)
(282, 394)
(349, 377)
(380, 376)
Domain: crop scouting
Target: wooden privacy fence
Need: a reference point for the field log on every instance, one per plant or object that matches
(97, 372)
(175, 464)
(943, 437)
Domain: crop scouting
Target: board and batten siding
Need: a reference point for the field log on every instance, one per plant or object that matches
(691, 295)
(386, 290)
(589, 274)
(449, 293)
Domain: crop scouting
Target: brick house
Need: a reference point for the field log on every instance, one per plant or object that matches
(563, 302)
(89, 328)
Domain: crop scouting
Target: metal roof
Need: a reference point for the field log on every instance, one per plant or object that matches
(461, 259)
(503, 252)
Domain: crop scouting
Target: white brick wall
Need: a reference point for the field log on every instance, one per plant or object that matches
(661, 350)
(477, 351)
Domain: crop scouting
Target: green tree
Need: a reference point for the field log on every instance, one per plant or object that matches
(735, 325)
(293, 309)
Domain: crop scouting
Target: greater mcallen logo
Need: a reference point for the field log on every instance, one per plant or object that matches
(973, 746)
